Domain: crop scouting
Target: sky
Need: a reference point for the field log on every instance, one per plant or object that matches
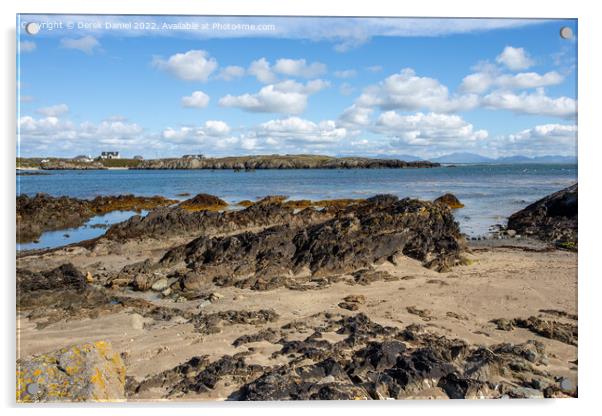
(161, 86)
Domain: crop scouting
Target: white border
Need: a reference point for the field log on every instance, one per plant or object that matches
(590, 292)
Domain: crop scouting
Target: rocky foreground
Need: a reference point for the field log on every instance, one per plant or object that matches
(287, 300)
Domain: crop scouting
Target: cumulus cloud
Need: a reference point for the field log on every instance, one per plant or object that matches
(198, 99)
(480, 82)
(27, 46)
(407, 91)
(356, 115)
(531, 103)
(53, 110)
(346, 88)
(262, 70)
(515, 59)
(432, 129)
(231, 72)
(298, 130)
(288, 97)
(217, 128)
(546, 139)
(299, 68)
(87, 44)
(194, 65)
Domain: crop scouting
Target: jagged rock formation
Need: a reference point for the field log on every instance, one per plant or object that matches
(552, 219)
(450, 200)
(355, 238)
(88, 372)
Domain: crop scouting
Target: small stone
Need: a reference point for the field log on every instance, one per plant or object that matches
(33, 388)
(566, 385)
(361, 299)
(166, 292)
(510, 233)
(214, 297)
(89, 277)
(204, 303)
(160, 285)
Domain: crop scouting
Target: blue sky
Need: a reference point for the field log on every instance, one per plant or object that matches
(352, 86)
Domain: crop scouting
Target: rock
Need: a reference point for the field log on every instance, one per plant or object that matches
(89, 277)
(87, 372)
(552, 219)
(450, 200)
(525, 393)
(566, 385)
(357, 237)
(351, 306)
(215, 297)
(203, 202)
(360, 299)
(160, 285)
(511, 233)
(43, 212)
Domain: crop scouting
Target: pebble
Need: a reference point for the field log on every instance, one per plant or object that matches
(160, 285)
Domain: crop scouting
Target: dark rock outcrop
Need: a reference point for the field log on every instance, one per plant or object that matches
(47, 213)
(356, 238)
(203, 202)
(552, 219)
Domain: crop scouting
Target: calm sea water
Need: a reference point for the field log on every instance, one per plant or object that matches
(490, 192)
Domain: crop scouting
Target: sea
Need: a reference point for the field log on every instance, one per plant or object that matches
(490, 193)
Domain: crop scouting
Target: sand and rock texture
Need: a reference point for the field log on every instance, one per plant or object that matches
(376, 299)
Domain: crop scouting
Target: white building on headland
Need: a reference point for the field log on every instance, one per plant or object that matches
(109, 155)
(199, 156)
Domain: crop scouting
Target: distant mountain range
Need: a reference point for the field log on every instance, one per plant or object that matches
(463, 157)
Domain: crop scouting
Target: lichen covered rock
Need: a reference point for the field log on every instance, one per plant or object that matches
(87, 372)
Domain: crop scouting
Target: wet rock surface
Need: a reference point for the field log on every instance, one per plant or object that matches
(552, 219)
(203, 202)
(356, 238)
(450, 200)
(43, 212)
(87, 372)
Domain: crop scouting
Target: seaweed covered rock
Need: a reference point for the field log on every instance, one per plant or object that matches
(87, 372)
(552, 219)
(450, 200)
(203, 202)
(355, 238)
(43, 212)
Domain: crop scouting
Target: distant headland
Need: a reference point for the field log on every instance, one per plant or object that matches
(252, 162)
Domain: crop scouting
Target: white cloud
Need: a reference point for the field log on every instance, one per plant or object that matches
(87, 44)
(231, 72)
(546, 139)
(53, 110)
(480, 82)
(525, 80)
(356, 116)
(216, 128)
(347, 73)
(27, 46)
(437, 130)
(531, 103)
(262, 70)
(406, 91)
(194, 65)
(298, 130)
(198, 99)
(515, 59)
(299, 68)
(288, 97)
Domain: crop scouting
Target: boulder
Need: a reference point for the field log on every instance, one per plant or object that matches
(552, 219)
(203, 202)
(87, 372)
(450, 200)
